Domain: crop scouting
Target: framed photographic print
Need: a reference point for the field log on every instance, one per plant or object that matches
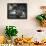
(17, 11)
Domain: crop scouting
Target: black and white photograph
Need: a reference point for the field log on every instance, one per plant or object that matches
(17, 11)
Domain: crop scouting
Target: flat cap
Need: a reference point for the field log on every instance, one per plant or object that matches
(42, 7)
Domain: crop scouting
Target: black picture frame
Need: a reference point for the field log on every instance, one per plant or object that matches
(17, 10)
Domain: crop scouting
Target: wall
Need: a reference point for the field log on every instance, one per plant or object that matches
(27, 26)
